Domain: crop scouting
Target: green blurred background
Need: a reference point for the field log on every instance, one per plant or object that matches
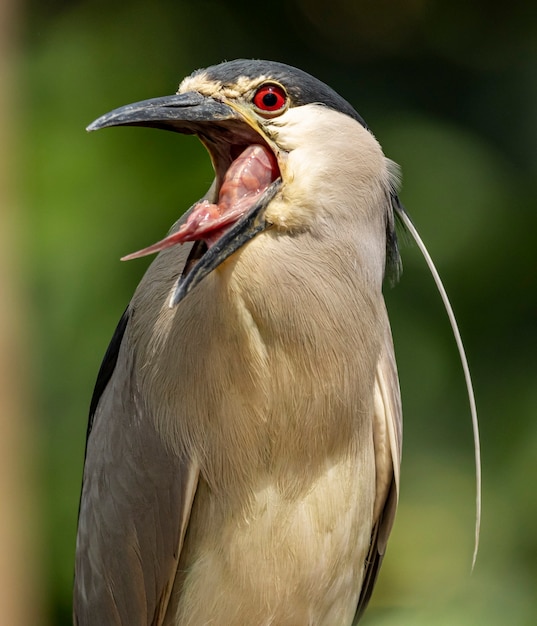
(450, 90)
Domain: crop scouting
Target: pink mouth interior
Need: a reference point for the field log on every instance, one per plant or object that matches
(244, 183)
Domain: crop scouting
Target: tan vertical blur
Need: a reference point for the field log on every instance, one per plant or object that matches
(19, 566)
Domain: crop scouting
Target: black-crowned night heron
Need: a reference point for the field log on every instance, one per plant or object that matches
(243, 450)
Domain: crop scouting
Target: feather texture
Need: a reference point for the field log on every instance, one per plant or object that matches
(243, 461)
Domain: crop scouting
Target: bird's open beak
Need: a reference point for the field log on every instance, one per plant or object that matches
(247, 178)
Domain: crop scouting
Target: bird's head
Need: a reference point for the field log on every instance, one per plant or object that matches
(288, 152)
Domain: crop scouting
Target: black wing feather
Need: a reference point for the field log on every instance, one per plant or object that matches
(107, 368)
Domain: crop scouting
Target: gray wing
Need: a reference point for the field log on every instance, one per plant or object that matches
(135, 504)
(387, 436)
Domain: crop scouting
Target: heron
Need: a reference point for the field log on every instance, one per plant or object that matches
(244, 442)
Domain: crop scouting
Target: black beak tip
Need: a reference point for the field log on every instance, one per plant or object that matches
(113, 118)
(124, 116)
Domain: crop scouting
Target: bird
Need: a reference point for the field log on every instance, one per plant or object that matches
(244, 443)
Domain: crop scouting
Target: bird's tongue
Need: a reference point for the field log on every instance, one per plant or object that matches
(245, 181)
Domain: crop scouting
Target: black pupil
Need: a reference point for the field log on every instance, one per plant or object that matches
(270, 99)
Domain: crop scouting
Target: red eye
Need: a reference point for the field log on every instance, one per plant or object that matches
(270, 98)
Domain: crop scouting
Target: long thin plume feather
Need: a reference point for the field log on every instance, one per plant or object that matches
(407, 222)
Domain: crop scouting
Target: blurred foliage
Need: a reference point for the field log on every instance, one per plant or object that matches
(450, 90)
